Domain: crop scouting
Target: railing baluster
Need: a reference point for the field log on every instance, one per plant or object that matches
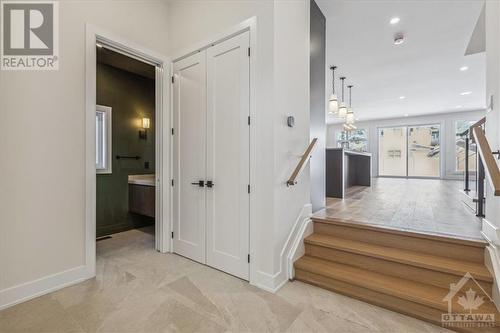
(467, 189)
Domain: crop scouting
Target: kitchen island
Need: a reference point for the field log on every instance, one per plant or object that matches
(346, 168)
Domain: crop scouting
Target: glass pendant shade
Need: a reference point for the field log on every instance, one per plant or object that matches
(333, 104)
(349, 118)
(342, 110)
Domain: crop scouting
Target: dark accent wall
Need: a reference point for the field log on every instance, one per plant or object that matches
(318, 70)
(132, 97)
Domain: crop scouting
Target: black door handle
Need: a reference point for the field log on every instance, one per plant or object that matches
(200, 183)
(210, 184)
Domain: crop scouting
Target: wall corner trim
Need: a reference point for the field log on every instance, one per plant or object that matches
(490, 232)
(291, 251)
(33, 289)
(492, 260)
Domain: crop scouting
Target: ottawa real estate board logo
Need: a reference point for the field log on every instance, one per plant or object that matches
(29, 35)
(469, 305)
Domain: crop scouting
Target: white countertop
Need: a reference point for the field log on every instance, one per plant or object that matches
(146, 180)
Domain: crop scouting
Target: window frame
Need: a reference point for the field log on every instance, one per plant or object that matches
(455, 152)
(342, 132)
(107, 167)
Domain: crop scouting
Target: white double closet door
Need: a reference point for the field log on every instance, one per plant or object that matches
(211, 156)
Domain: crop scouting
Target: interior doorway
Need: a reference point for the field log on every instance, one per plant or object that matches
(158, 120)
(211, 153)
(125, 144)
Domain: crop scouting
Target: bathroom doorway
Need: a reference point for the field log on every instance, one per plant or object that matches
(125, 144)
(147, 126)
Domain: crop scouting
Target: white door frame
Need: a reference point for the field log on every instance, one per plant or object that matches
(251, 26)
(163, 139)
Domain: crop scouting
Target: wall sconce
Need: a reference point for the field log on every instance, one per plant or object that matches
(143, 133)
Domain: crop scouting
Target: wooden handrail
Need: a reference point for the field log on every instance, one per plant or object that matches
(478, 123)
(302, 163)
(491, 167)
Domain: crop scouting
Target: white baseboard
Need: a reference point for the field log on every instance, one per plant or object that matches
(299, 248)
(26, 291)
(492, 261)
(273, 282)
(491, 232)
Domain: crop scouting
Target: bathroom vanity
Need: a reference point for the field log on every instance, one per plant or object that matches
(141, 194)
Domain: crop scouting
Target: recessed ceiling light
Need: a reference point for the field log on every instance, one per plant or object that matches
(464, 68)
(394, 20)
(459, 106)
(406, 114)
(466, 93)
(402, 97)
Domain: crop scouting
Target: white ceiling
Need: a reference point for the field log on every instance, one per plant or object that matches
(424, 69)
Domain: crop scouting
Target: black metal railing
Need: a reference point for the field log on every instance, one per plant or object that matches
(474, 173)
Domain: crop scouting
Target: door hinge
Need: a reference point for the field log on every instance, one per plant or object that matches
(172, 182)
(248, 258)
(173, 79)
(248, 188)
(172, 234)
(249, 52)
(248, 120)
(172, 131)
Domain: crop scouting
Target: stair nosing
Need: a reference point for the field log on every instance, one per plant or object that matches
(472, 242)
(458, 273)
(383, 290)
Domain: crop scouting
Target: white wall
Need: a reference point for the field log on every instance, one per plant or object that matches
(446, 120)
(42, 128)
(291, 87)
(492, 225)
(282, 89)
(42, 140)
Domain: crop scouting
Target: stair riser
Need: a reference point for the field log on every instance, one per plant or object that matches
(393, 303)
(405, 271)
(424, 245)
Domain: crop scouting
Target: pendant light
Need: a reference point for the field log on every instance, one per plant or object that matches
(342, 108)
(349, 118)
(333, 103)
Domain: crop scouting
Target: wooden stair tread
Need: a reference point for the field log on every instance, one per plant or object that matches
(424, 294)
(433, 262)
(321, 217)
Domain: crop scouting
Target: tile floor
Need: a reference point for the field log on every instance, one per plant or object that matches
(140, 290)
(427, 205)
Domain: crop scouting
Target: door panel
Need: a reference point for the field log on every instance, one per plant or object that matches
(228, 141)
(189, 203)
(423, 151)
(392, 143)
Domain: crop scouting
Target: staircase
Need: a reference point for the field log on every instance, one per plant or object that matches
(402, 271)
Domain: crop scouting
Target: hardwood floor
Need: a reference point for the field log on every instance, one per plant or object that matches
(422, 205)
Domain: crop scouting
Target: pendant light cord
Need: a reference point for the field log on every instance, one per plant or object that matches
(333, 68)
(342, 79)
(350, 95)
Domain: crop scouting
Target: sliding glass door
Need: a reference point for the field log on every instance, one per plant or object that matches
(409, 151)
(423, 151)
(392, 143)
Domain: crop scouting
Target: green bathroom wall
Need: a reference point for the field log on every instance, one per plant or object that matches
(131, 97)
